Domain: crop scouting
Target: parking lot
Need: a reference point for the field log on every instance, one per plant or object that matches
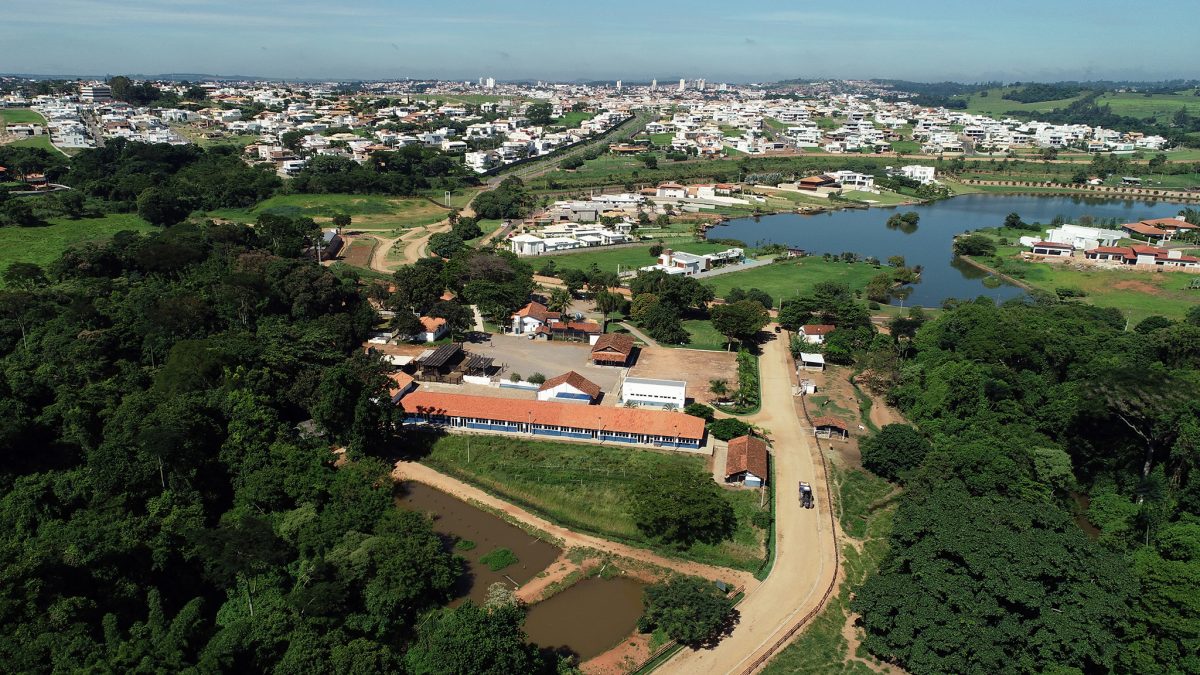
(515, 354)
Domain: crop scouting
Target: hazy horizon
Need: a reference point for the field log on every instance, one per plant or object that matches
(1012, 40)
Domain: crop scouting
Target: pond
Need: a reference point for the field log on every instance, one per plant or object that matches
(588, 618)
(863, 231)
(455, 519)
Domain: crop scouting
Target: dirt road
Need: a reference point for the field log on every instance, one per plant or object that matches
(804, 559)
(567, 538)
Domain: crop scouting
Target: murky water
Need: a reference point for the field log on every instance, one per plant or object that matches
(588, 618)
(455, 519)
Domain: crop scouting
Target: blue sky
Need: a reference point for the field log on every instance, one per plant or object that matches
(634, 40)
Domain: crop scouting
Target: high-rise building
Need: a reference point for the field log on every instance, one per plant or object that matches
(723, 87)
(491, 83)
(653, 85)
(95, 93)
(682, 84)
(618, 85)
(700, 84)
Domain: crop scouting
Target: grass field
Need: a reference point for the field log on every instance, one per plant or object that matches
(43, 245)
(572, 120)
(21, 116)
(588, 488)
(1137, 294)
(703, 335)
(822, 648)
(373, 212)
(884, 197)
(1161, 106)
(995, 103)
(627, 258)
(786, 278)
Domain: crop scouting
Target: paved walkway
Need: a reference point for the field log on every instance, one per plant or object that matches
(479, 328)
(567, 538)
(638, 334)
(805, 564)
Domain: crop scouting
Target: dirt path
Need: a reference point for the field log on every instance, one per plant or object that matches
(804, 558)
(566, 538)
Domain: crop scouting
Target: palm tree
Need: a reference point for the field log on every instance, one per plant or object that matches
(719, 388)
(560, 300)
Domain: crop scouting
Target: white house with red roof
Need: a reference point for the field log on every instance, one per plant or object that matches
(570, 387)
(434, 328)
(532, 317)
(815, 334)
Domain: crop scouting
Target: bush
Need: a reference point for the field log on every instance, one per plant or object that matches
(728, 428)
(537, 378)
(975, 245)
(498, 559)
(700, 410)
(762, 519)
(464, 545)
(689, 610)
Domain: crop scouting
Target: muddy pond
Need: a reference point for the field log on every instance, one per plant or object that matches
(587, 619)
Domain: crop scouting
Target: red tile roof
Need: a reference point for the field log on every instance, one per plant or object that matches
(537, 311)
(575, 380)
(817, 329)
(626, 420)
(1176, 223)
(747, 453)
(1051, 244)
(1113, 250)
(613, 342)
(830, 422)
(432, 324)
(1142, 228)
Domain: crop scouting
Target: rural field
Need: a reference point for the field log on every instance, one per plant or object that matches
(21, 116)
(589, 488)
(43, 245)
(1137, 294)
(374, 212)
(786, 278)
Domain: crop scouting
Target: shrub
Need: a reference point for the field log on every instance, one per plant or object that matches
(499, 558)
(464, 545)
(728, 428)
(537, 378)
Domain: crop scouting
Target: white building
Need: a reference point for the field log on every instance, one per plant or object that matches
(570, 387)
(659, 393)
(924, 174)
(1081, 237)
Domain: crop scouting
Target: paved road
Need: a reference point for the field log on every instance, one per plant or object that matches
(804, 562)
(567, 538)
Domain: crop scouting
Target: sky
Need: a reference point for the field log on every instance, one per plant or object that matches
(633, 40)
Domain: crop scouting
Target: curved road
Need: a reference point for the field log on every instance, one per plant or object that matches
(804, 554)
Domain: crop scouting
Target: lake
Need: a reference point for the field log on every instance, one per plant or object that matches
(863, 231)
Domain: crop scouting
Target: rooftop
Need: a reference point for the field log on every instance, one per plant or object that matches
(747, 453)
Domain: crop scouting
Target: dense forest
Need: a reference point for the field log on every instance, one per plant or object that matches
(169, 505)
(1049, 519)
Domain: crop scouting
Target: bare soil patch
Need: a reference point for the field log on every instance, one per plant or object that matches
(694, 366)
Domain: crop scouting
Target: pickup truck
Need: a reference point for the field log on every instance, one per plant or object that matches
(806, 495)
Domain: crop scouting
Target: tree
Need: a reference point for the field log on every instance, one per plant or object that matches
(571, 163)
(607, 302)
(24, 275)
(342, 221)
(1152, 323)
(539, 114)
(445, 244)
(467, 228)
(718, 388)
(894, 451)
(640, 305)
(662, 323)
(472, 639)
(459, 319)
(700, 410)
(406, 323)
(18, 212)
(71, 204)
(689, 610)
(656, 250)
(560, 299)
(728, 428)
(417, 287)
(737, 294)
(162, 206)
(680, 506)
(974, 245)
(740, 321)
(509, 200)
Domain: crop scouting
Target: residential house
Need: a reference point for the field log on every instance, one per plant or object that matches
(1052, 249)
(532, 317)
(746, 462)
(570, 387)
(831, 428)
(433, 329)
(815, 334)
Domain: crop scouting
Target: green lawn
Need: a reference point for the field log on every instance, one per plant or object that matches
(43, 245)
(488, 227)
(866, 516)
(21, 116)
(572, 120)
(630, 257)
(663, 138)
(906, 147)
(703, 335)
(885, 197)
(374, 212)
(42, 141)
(588, 488)
(786, 278)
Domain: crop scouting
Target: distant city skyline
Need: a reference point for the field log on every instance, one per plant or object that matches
(1007, 40)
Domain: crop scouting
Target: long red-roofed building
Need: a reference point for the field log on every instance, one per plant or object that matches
(555, 420)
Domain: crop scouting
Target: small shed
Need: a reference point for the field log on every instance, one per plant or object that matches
(746, 463)
(569, 387)
(831, 428)
(810, 362)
